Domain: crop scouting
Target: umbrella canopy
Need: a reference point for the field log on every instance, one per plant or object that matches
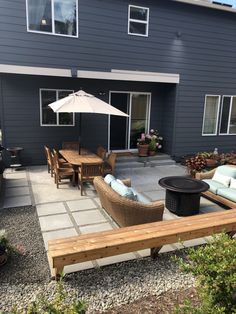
(81, 102)
(85, 103)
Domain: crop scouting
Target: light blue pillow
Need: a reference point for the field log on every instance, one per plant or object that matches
(122, 190)
(109, 178)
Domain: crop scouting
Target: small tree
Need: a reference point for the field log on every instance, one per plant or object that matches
(214, 266)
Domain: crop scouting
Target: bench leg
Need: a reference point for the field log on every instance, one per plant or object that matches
(231, 233)
(155, 251)
(57, 272)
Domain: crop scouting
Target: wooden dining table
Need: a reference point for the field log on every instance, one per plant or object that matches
(76, 159)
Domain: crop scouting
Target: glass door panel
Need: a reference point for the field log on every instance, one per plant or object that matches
(139, 117)
(119, 125)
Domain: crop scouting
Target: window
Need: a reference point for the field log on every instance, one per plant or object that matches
(48, 116)
(138, 19)
(58, 17)
(228, 115)
(210, 118)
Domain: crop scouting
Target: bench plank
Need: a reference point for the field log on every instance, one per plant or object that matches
(83, 248)
(143, 227)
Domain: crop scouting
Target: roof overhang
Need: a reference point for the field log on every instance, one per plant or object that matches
(117, 75)
(208, 4)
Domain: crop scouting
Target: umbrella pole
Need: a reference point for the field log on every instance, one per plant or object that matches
(80, 128)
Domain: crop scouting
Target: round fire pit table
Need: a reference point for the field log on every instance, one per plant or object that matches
(183, 194)
(15, 156)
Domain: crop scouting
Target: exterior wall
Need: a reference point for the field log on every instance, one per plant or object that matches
(21, 109)
(204, 55)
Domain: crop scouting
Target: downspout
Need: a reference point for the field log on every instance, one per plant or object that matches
(173, 148)
(2, 109)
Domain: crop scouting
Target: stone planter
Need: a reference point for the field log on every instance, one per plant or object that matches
(143, 150)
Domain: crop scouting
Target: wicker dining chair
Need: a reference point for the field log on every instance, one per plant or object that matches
(109, 165)
(62, 172)
(101, 152)
(87, 172)
(70, 145)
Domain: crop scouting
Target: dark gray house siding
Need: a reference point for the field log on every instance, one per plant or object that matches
(204, 56)
(21, 106)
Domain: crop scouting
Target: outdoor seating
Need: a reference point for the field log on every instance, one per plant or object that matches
(101, 152)
(87, 247)
(49, 160)
(70, 145)
(109, 165)
(222, 182)
(124, 211)
(88, 172)
(62, 172)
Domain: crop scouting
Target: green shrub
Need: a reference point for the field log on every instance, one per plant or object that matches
(214, 266)
(56, 306)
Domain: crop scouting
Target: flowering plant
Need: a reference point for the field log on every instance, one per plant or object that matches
(152, 139)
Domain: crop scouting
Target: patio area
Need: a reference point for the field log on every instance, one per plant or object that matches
(64, 212)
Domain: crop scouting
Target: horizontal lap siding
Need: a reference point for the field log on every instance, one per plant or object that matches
(21, 123)
(204, 56)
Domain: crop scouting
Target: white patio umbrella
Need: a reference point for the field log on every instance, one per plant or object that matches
(81, 102)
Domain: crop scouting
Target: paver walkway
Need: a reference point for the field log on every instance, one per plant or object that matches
(64, 212)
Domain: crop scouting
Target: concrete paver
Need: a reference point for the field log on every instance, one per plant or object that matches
(55, 222)
(82, 204)
(64, 212)
(88, 217)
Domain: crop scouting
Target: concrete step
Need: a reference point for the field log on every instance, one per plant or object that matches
(124, 159)
(140, 162)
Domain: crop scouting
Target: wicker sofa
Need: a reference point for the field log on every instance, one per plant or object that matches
(213, 194)
(126, 212)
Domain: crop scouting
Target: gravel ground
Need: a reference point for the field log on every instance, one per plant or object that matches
(25, 277)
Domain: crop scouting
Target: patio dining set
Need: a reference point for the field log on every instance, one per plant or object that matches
(78, 164)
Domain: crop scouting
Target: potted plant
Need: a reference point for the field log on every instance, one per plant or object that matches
(155, 142)
(142, 144)
(195, 164)
(210, 157)
(149, 143)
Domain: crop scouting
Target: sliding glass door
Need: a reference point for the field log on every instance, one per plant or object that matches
(124, 132)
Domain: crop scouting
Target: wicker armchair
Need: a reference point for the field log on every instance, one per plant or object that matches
(87, 173)
(125, 211)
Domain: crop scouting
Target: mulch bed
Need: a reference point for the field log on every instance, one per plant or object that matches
(163, 304)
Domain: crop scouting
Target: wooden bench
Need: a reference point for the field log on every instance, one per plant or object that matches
(87, 247)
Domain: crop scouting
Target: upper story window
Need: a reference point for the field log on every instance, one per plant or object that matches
(138, 20)
(228, 115)
(211, 112)
(47, 116)
(58, 17)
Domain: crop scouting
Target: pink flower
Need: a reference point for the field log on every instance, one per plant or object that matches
(142, 136)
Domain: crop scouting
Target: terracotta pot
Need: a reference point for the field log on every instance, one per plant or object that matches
(152, 152)
(143, 150)
(211, 162)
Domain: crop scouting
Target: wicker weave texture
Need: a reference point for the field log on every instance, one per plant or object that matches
(126, 212)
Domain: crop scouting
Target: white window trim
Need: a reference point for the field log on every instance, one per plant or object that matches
(53, 23)
(217, 117)
(138, 21)
(57, 113)
(229, 117)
